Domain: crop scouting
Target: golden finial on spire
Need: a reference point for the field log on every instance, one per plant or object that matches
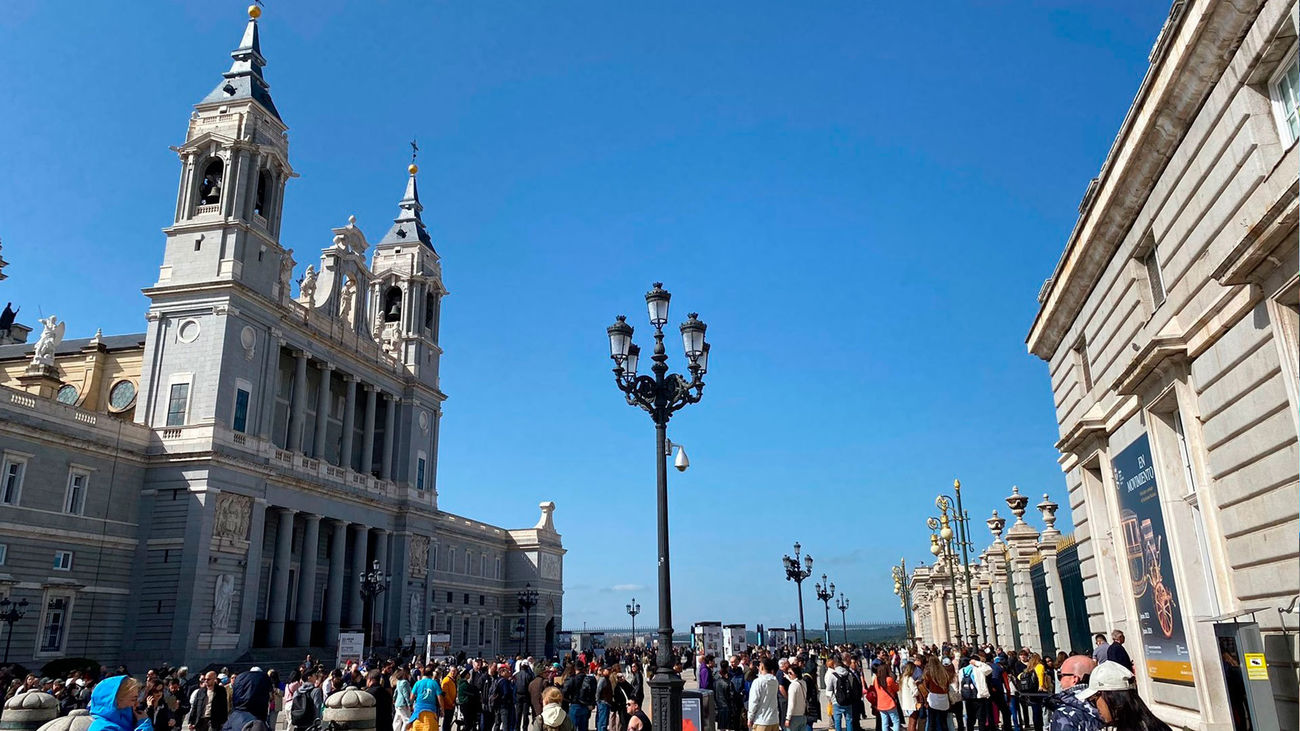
(254, 11)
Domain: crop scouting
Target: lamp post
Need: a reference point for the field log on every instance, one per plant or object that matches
(527, 600)
(10, 613)
(959, 516)
(825, 591)
(373, 583)
(904, 596)
(661, 395)
(633, 609)
(797, 572)
(941, 549)
(842, 604)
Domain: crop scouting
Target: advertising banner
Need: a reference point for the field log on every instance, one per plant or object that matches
(708, 639)
(436, 644)
(734, 639)
(1164, 642)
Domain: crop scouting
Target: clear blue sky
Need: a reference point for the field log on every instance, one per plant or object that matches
(861, 199)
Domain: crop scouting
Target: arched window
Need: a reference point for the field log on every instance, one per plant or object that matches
(210, 189)
(261, 201)
(430, 308)
(393, 304)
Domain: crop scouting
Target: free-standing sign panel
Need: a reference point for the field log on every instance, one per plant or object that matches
(1164, 641)
(351, 645)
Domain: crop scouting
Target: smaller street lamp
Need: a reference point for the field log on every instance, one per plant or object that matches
(527, 600)
(826, 590)
(842, 604)
(633, 609)
(10, 613)
(904, 596)
(373, 583)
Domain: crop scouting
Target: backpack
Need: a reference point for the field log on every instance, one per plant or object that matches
(587, 695)
(872, 695)
(844, 695)
(968, 690)
(1027, 682)
(302, 710)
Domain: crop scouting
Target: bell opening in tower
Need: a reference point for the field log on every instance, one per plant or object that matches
(260, 200)
(393, 304)
(210, 190)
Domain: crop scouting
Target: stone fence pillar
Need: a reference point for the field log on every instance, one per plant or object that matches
(77, 720)
(29, 711)
(351, 710)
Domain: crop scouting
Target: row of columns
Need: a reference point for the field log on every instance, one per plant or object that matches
(1006, 611)
(335, 592)
(298, 418)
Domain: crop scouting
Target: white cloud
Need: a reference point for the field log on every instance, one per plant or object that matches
(626, 587)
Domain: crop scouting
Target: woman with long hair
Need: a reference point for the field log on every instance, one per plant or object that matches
(935, 680)
(887, 703)
(1031, 703)
(911, 700)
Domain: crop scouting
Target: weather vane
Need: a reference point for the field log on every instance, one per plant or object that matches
(415, 149)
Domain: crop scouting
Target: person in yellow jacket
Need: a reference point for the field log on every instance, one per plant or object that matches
(448, 698)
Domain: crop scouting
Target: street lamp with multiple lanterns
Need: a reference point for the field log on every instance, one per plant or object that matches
(373, 583)
(633, 609)
(904, 596)
(661, 395)
(826, 590)
(527, 600)
(957, 515)
(797, 572)
(10, 613)
(842, 604)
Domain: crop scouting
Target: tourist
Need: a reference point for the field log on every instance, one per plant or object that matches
(1069, 711)
(796, 700)
(250, 702)
(552, 717)
(887, 704)
(446, 699)
(502, 700)
(1111, 690)
(935, 680)
(209, 705)
(637, 720)
(1117, 653)
(975, 692)
(1101, 649)
(762, 698)
(113, 706)
(523, 678)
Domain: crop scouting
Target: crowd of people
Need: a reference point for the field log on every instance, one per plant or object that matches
(950, 687)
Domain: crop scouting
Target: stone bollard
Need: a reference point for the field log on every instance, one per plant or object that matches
(78, 720)
(29, 711)
(350, 710)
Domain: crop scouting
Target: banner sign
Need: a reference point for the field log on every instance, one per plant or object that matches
(1164, 642)
(436, 644)
(351, 645)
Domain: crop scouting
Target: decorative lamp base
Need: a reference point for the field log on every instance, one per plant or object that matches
(666, 701)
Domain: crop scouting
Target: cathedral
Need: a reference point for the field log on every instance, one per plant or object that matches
(235, 482)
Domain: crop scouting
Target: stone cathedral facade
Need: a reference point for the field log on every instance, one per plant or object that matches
(215, 488)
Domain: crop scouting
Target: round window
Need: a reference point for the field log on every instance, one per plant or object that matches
(122, 395)
(68, 394)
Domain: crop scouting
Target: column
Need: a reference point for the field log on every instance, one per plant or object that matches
(356, 608)
(318, 449)
(1052, 575)
(307, 578)
(942, 626)
(279, 599)
(1023, 540)
(381, 602)
(990, 618)
(426, 621)
(980, 627)
(368, 432)
(252, 574)
(271, 369)
(334, 588)
(349, 421)
(297, 410)
(390, 424)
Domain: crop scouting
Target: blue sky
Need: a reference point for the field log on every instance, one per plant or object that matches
(861, 199)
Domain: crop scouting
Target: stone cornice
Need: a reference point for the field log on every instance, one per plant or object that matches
(1202, 43)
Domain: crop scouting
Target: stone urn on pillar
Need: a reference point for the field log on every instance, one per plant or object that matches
(29, 711)
(77, 720)
(351, 710)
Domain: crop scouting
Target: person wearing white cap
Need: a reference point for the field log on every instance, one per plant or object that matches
(1112, 691)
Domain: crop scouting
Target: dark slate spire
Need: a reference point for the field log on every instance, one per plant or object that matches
(408, 227)
(244, 80)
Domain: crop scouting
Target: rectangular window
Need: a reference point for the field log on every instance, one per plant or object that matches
(451, 560)
(1285, 92)
(498, 574)
(1184, 455)
(63, 560)
(1081, 362)
(482, 632)
(466, 599)
(419, 473)
(74, 503)
(4, 553)
(240, 421)
(434, 548)
(482, 565)
(1155, 282)
(449, 599)
(54, 624)
(464, 629)
(481, 600)
(468, 555)
(178, 404)
(14, 469)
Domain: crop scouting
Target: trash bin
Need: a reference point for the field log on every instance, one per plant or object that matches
(697, 711)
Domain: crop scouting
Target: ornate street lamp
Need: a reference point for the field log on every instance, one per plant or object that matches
(958, 515)
(941, 549)
(661, 395)
(797, 572)
(904, 596)
(633, 609)
(10, 613)
(527, 600)
(824, 592)
(373, 583)
(842, 604)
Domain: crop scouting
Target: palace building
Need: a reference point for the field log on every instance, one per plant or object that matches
(217, 487)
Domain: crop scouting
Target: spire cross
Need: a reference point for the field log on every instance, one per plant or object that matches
(415, 149)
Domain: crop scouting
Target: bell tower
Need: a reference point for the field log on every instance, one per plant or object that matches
(234, 166)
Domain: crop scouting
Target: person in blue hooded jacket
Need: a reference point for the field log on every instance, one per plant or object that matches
(250, 700)
(113, 706)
